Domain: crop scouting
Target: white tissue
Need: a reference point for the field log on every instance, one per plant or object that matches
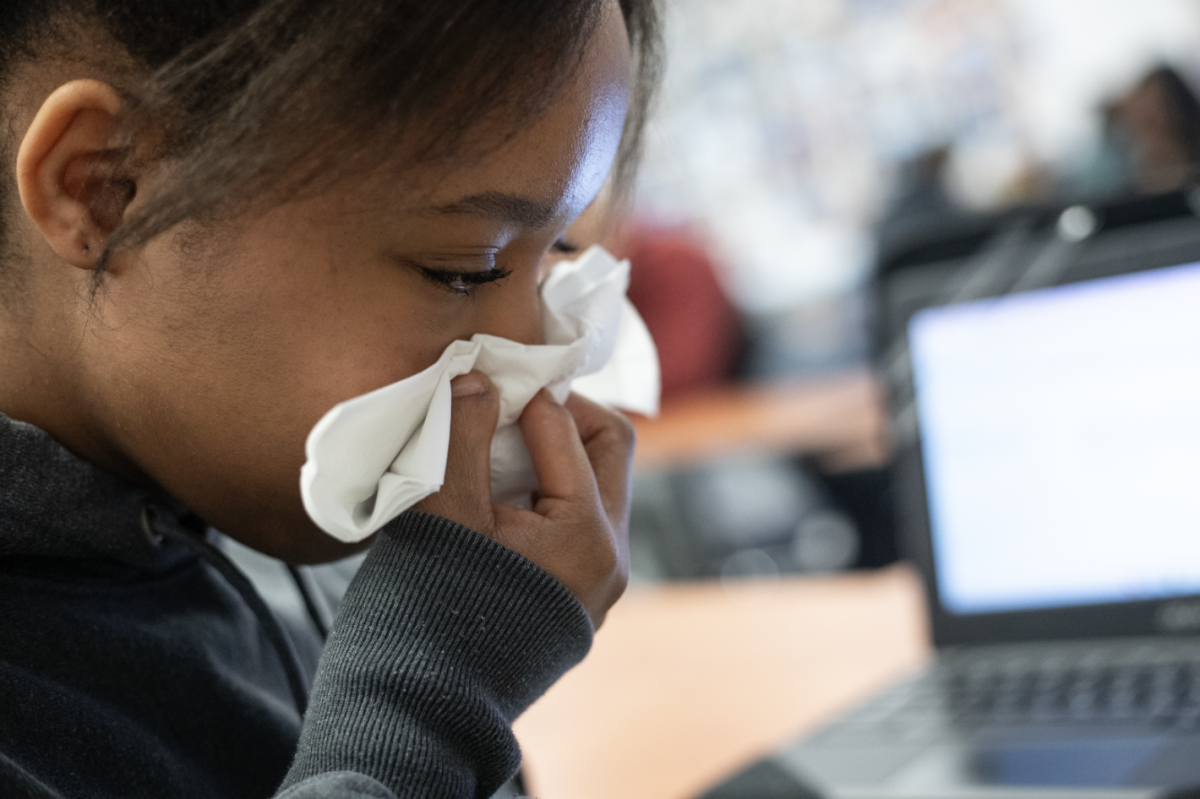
(373, 457)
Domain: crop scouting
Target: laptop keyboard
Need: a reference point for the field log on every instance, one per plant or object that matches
(1032, 686)
(1166, 692)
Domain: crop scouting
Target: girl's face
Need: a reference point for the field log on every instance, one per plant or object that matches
(214, 352)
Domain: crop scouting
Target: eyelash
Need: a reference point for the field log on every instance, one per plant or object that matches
(565, 247)
(463, 284)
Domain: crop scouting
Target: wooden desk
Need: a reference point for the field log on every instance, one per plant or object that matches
(686, 682)
(839, 417)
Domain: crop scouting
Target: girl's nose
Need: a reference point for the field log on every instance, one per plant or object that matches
(515, 315)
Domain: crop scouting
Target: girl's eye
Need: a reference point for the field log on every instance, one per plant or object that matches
(462, 284)
(565, 247)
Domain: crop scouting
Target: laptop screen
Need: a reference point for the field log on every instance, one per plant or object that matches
(1061, 442)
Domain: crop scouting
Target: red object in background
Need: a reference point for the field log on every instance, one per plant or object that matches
(674, 287)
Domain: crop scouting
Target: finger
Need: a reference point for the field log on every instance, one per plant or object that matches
(533, 535)
(559, 458)
(609, 440)
(466, 493)
(584, 553)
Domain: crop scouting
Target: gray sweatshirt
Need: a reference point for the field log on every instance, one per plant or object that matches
(135, 662)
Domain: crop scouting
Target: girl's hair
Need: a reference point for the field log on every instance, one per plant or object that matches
(252, 101)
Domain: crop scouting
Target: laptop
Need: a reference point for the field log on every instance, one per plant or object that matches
(1043, 375)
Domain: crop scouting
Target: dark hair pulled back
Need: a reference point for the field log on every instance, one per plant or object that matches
(260, 99)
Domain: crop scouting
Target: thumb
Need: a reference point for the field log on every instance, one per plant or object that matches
(466, 494)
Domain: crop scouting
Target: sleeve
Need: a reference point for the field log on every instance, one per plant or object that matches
(444, 638)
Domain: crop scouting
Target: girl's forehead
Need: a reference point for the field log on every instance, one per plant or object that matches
(545, 173)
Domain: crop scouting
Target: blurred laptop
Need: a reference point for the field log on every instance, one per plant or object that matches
(1043, 372)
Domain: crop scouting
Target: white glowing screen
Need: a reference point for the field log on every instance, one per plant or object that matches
(1061, 440)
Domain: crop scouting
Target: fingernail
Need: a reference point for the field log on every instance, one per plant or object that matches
(469, 385)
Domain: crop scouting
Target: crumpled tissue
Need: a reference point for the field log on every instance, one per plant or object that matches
(373, 457)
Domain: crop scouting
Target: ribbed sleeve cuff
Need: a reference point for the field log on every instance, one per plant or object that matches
(443, 639)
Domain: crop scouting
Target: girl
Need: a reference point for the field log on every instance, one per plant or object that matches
(219, 219)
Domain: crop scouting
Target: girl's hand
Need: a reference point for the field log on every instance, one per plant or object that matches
(578, 529)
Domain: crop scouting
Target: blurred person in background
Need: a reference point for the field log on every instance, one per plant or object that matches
(920, 202)
(674, 284)
(1150, 140)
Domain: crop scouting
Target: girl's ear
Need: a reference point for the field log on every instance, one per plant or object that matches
(67, 171)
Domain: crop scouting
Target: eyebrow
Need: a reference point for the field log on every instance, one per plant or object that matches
(501, 207)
